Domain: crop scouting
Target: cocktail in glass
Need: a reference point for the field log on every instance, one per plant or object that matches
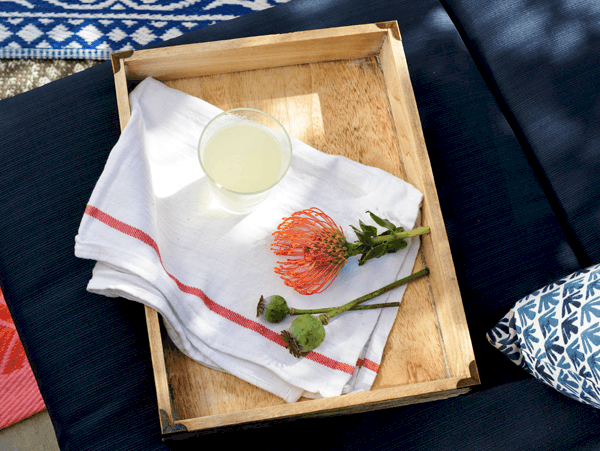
(244, 153)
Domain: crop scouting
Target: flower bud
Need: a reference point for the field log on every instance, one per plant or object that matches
(305, 334)
(274, 309)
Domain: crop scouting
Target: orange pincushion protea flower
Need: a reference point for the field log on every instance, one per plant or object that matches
(317, 247)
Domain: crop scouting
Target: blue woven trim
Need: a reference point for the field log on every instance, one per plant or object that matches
(54, 54)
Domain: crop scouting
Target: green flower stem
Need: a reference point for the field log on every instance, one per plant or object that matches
(399, 235)
(341, 309)
(354, 248)
(356, 307)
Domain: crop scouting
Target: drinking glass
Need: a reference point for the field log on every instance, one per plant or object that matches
(244, 153)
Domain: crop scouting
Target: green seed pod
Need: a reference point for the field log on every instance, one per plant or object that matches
(273, 308)
(305, 334)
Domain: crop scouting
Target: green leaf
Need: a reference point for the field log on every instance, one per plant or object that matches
(396, 245)
(367, 229)
(375, 252)
(365, 239)
(367, 255)
(361, 249)
(379, 250)
(382, 222)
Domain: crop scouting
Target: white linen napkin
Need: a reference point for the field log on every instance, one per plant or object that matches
(158, 239)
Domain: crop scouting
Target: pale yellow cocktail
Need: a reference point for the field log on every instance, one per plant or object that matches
(243, 158)
(244, 153)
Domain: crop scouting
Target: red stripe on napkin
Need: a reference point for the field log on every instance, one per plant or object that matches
(368, 364)
(212, 305)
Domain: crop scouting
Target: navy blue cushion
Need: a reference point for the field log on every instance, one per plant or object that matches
(90, 354)
(523, 415)
(540, 58)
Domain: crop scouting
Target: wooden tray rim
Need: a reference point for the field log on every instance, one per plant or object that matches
(378, 35)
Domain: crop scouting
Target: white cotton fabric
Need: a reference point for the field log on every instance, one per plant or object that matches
(158, 239)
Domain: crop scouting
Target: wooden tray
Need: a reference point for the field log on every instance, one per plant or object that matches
(343, 91)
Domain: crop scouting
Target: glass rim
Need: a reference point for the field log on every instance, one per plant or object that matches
(287, 137)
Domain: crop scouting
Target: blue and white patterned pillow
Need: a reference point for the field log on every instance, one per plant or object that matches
(554, 334)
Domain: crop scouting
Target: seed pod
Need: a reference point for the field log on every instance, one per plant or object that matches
(305, 334)
(273, 308)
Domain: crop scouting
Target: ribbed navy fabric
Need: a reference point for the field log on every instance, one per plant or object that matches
(90, 353)
(540, 58)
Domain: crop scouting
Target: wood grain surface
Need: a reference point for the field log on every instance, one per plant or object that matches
(359, 105)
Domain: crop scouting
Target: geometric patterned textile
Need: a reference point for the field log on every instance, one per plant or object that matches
(554, 334)
(93, 29)
(19, 393)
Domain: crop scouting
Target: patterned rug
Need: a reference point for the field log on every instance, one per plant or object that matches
(19, 393)
(93, 29)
